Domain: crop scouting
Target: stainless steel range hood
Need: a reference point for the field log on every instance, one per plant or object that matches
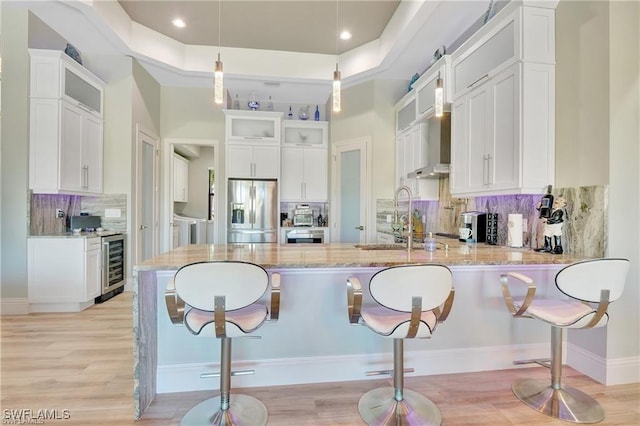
(438, 148)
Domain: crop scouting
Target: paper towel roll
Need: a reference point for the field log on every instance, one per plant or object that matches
(514, 230)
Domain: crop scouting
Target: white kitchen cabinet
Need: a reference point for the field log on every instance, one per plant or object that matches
(305, 133)
(253, 161)
(253, 126)
(64, 274)
(503, 114)
(180, 179)
(502, 134)
(411, 154)
(304, 174)
(66, 126)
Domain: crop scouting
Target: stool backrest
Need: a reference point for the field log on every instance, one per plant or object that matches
(584, 280)
(241, 283)
(395, 286)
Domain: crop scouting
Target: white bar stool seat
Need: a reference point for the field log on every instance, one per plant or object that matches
(410, 301)
(593, 282)
(223, 300)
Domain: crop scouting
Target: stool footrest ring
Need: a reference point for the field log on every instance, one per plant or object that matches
(387, 372)
(545, 362)
(233, 373)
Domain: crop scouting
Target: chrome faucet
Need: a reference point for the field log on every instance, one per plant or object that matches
(409, 213)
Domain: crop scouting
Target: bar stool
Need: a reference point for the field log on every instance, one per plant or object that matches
(598, 281)
(410, 300)
(222, 300)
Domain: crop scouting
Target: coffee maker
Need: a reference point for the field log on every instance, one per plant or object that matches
(473, 227)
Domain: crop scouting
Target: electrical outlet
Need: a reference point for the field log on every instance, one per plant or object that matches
(59, 213)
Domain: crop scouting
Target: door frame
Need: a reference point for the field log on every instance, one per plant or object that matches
(363, 144)
(166, 218)
(147, 135)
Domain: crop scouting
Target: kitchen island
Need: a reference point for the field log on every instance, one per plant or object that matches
(313, 341)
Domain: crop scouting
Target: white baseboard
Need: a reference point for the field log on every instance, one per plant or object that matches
(59, 307)
(606, 371)
(14, 306)
(186, 377)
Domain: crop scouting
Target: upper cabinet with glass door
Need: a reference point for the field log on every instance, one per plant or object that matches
(54, 75)
(253, 126)
(305, 133)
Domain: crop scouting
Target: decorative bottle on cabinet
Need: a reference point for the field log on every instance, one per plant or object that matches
(290, 115)
(316, 117)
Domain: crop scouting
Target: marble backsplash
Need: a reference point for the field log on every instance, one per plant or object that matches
(42, 211)
(584, 231)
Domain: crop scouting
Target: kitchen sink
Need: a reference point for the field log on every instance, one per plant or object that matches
(381, 246)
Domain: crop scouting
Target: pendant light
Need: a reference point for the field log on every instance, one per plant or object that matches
(218, 88)
(439, 100)
(439, 93)
(335, 94)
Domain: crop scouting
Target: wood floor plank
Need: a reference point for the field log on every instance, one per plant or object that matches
(83, 362)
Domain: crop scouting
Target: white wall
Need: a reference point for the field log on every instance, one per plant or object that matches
(198, 205)
(368, 110)
(623, 337)
(597, 104)
(189, 113)
(14, 168)
(582, 93)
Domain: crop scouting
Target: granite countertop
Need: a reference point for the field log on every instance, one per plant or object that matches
(292, 256)
(80, 235)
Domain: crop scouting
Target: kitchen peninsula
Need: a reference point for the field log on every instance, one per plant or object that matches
(313, 341)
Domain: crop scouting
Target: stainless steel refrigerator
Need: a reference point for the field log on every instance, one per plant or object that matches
(253, 211)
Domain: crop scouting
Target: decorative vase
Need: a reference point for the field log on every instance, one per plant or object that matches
(303, 114)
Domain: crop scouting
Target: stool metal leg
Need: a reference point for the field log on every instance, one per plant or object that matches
(561, 402)
(227, 409)
(398, 406)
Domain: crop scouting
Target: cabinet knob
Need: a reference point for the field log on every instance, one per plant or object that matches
(360, 228)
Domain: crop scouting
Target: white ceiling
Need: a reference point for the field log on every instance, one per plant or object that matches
(285, 49)
(308, 26)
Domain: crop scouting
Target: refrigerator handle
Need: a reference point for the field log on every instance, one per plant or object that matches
(252, 211)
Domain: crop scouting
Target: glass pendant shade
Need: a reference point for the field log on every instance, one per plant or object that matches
(336, 90)
(217, 82)
(439, 97)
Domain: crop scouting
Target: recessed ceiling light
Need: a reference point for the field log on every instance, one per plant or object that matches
(345, 35)
(178, 23)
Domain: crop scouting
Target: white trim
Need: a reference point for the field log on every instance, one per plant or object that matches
(144, 135)
(289, 371)
(616, 371)
(166, 185)
(363, 144)
(14, 306)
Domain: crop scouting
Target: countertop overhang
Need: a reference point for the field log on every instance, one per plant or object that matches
(295, 256)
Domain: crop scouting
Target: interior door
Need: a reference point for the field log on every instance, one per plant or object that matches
(351, 191)
(147, 196)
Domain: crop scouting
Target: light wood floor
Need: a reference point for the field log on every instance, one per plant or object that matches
(82, 362)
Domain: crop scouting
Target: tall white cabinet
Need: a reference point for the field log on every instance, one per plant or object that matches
(252, 144)
(503, 111)
(305, 161)
(66, 126)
